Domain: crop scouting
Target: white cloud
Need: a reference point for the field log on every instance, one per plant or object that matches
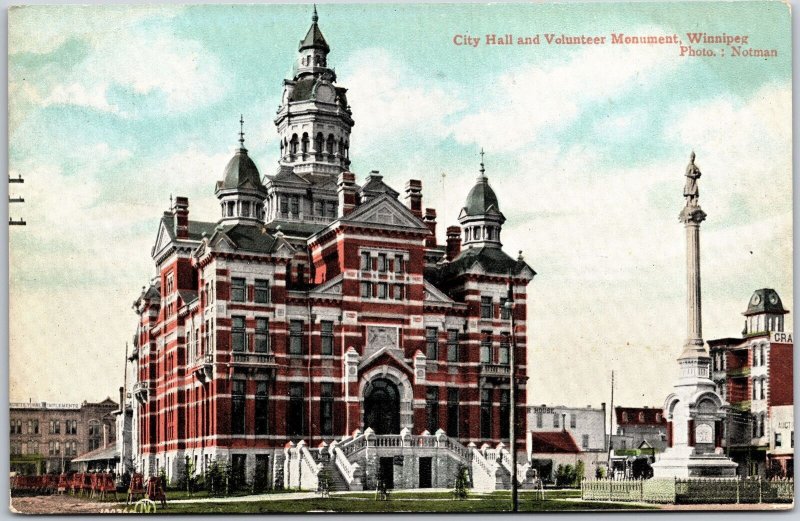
(390, 99)
(525, 102)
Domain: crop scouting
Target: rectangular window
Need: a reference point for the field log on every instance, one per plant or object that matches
(237, 289)
(432, 408)
(35, 427)
(398, 264)
(504, 349)
(778, 439)
(539, 420)
(284, 206)
(486, 307)
(296, 409)
(398, 292)
(238, 334)
(585, 442)
(452, 345)
(555, 420)
(366, 290)
(237, 407)
(366, 263)
(505, 413)
(505, 311)
(262, 335)
(573, 421)
(55, 427)
(72, 426)
(262, 408)
(452, 412)
(326, 408)
(295, 206)
(331, 209)
(261, 291)
(383, 290)
(319, 208)
(431, 343)
(326, 337)
(486, 347)
(486, 414)
(383, 264)
(296, 337)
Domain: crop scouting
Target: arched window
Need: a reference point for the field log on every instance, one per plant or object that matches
(346, 150)
(763, 387)
(329, 144)
(293, 146)
(761, 423)
(755, 426)
(341, 148)
(304, 147)
(318, 144)
(641, 417)
(755, 391)
(466, 234)
(763, 355)
(624, 417)
(658, 417)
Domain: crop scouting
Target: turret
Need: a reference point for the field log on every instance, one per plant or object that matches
(481, 218)
(241, 193)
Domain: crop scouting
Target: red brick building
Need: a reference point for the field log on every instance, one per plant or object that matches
(754, 374)
(317, 313)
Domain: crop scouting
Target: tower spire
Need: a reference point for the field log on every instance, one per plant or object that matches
(314, 16)
(241, 131)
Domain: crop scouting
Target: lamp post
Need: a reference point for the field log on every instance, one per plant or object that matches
(512, 395)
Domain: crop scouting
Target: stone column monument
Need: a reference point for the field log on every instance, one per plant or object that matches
(694, 411)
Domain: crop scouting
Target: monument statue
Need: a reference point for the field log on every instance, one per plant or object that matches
(690, 190)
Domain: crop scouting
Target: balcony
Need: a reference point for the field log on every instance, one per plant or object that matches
(495, 370)
(141, 390)
(739, 372)
(203, 366)
(254, 362)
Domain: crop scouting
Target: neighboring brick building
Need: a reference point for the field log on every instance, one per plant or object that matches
(46, 437)
(638, 425)
(587, 425)
(315, 308)
(754, 374)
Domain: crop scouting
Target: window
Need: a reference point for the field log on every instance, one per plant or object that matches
(539, 420)
(383, 264)
(763, 388)
(366, 263)
(486, 347)
(245, 209)
(505, 311)
(555, 421)
(262, 335)
(755, 391)
(237, 407)
(658, 414)
(641, 417)
(16, 426)
(295, 206)
(71, 426)
(431, 343)
(366, 290)
(326, 336)
(486, 413)
(573, 421)
(398, 292)
(486, 307)
(452, 345)
(761, 425)
(94, 434)
(398, 264)
(326, 408)
(585, 442)
(319, 208)
(33, 447)
(624, 417)
(505, 411)
(504, 349)
(55, 427)
(170, 283)
(452, 412)
(261, 291)
(284, 204)
(237, 290)
(383, 290)
(296, 337)
(791, 439)
(295, 413)
(777, 439)
(238, 334)
(332, 209)
(262, 408)
(432, 408)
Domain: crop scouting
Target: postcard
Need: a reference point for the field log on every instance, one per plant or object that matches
(336, 257)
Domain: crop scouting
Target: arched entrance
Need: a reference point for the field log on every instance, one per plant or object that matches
(382, 406)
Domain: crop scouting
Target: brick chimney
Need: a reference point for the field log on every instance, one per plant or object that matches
(414, 196)
(453, 242)
(430, 222)
(347, 193)
(181, 212)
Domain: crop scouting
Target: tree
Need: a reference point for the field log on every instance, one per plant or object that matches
(462, 483)
(580, 472)
(565, 475)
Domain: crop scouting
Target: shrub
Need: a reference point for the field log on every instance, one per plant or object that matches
(461, 489)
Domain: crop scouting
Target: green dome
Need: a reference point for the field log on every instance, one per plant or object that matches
(241, 171)
(481, 198)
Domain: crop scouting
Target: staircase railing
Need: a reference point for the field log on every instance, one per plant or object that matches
(484, 472)
(522, 468)
(309, 469)
(351, 472)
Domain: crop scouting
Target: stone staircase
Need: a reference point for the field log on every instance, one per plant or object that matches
(336, 482)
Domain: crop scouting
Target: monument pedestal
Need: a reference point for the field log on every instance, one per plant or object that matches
(684, 463)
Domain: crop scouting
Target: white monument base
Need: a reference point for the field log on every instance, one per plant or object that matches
(682, 462)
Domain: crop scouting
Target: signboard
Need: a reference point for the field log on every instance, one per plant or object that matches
(780, 337)
(704, 433)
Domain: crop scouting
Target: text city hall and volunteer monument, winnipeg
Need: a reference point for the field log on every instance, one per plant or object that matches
(317, 326)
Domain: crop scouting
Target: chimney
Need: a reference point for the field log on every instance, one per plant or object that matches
(430, 222)
(105, 435)
(453, 242)
(122, 399)
(414, 196)
(181, 213)
(347, 193)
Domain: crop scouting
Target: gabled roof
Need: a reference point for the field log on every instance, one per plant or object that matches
(375, 186)
(187, 295)
(385, 210)
(246, 237)
(489, 259)
(560, 442)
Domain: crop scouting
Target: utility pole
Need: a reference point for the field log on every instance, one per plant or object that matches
(611, 424)
(512, 395)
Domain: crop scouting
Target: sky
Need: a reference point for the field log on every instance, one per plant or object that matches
(114, 109)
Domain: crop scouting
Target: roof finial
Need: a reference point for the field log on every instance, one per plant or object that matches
(170, 201)
(483, 169)
(241, 131)
(315, 17)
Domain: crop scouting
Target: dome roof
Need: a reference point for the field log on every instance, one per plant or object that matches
(481, 198)
(765, 300)
(241, 172)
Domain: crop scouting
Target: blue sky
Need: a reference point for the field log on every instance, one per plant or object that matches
(112, 109)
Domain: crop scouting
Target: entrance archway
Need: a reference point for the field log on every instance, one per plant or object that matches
(382, 406)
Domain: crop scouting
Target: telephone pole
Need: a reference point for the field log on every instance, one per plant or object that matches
(512, 395)
(611, 424)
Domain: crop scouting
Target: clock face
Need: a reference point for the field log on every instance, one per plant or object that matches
(756, 300)
(773, 299)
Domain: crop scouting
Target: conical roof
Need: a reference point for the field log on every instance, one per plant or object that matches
(314, 39)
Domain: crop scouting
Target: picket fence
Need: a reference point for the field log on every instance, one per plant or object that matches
(690, 491)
